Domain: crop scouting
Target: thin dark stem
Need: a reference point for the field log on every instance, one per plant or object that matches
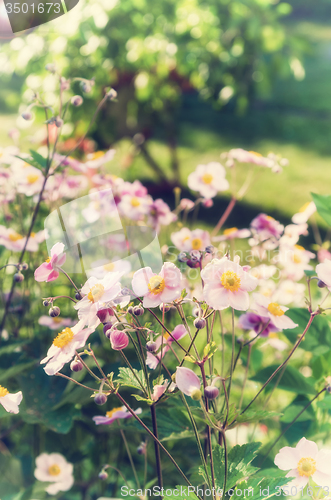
(129, 455)
(156, 447)
(290, 424)
(312, 316)
(75, 381)
(225, 215)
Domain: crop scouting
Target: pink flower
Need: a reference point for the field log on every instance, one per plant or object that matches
(305, 461)
(160, 214)
(118, 339)
(159, 390)
(64, 347)
(53, 468)
(265, 227)
(99, 158)
(49, 270)
(208, 179)
(252, 321)
(324, 272)
(226, 284)
(188, 382)
(178, 333)
(10, 402)
(243, 156)
(273, 311)
(157, 288)
(186, 240)
(115, 414)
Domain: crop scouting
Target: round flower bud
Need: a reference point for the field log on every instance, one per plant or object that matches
(100, 398)
(211, 392)
(118, 339)
(102, 475)
(54, 311)
(209, 249)
(58, 122)
(65, 84)
(111, 94)
(195, 255)
(138, 311)
(86, 86)
(105, 315)
(27, 115)
(106, 329)
(165, 308)
(329, 388)
(196, 394)
(130, 310)
(321, 284)
(141, 450)
(193, 263)
(196, 312)
(18, 277)
(77, 100)
(45, 303)
(76, 365)
(208, 203)
(78, 296)
(173, 377)
(182, 257)
(199, 323)
(151, 346)
(25, 266)
(19, 267)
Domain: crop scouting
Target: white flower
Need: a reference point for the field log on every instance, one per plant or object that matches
(305, 461)
(186, 240)
(324, 272)
(304, 213)
(10, 402)
(272, 310)
(208, 179)
(53, 468)
(64, 347)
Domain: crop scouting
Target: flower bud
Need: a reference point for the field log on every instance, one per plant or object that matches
(25, 266)
(27, 115)
(111, 94)
(165, 308)
(77, 100)
(45, 303)
(208, 203)
(78, 296)
(130, 310)
(100, 398)
(196, 394)
(193, 264)
(86, 86)
(182, 257)
(209, 249)
(141, 450)
(321, 284)
(138, 311)
(329, 388)
(151, 346)
(196, 312)
(173, 377)
(65, 84)
(105, 315)
(211, 392)
(118, 339)
(54, 311)
(195, 255)
(106, 329)
(58, 122)
(103, 475)
(50, 67)
(199, 323)
(76, 365)
(18, 277)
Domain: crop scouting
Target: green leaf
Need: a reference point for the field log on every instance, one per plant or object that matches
(292, 380)
(210, 350)
(302, 424)
(318, 338)
(39, 159)
(239, 468)
(266, 483)
(127, 379)
(15, 370)
(323, 205)
(255, 416)
(181, 493)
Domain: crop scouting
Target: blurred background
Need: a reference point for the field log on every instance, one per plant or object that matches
(194, 78)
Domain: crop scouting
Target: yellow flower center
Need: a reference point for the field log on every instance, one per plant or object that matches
(32, 178)
(207, 178)
(230, 230)
(135, 202)
(15, 236)
(231, 281)
(197, 243)
(306, 467)
(298, 247)
(3, 391)
(96, 292)
(48, 260)
(57, 320)
(296, 259)
(269, 217)
(54, 470)
(110, 413)
(109, 267)
(156, 285)
(304, 207)
(64, 338)
(255, 153)
(97, 155)
(275, 309)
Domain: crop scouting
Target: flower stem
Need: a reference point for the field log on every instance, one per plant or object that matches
(156, 447)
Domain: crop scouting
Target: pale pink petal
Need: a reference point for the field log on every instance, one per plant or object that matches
(239, 300)
(282, 322)
(52, 276)
(171, 274)
(216, 297)
(321, 478)
(140, 281)
(287, 458)
(152, 300)
(307, 448)
(170, 294)
(10, 402)
(187, 380)
(323, 462)
(42, 272)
